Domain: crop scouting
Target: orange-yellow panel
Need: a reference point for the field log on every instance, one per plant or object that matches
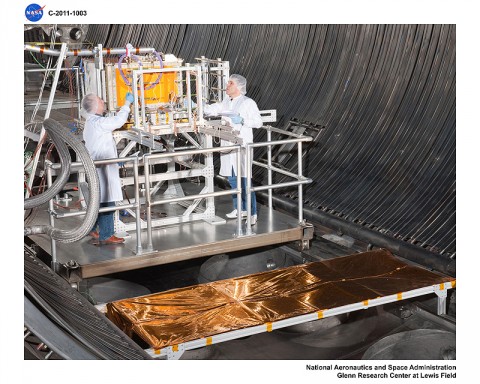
(160, 93)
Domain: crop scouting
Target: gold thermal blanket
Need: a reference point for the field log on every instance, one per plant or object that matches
(185, 314)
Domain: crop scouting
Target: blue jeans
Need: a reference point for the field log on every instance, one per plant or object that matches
(105, 222)
(233, 183)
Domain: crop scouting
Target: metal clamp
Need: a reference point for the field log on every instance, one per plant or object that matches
(70, 271)
(308, 232)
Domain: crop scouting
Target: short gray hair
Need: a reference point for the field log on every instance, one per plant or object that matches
(90, 103)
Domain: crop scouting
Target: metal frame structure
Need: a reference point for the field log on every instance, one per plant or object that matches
(207, 194)
(78, 95)
(144, 131)
(206, 81)
(61, 56)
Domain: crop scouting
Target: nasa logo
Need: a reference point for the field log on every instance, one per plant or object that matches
(34, 12)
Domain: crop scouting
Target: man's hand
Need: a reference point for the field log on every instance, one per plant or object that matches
(129, 97)
(237, 119)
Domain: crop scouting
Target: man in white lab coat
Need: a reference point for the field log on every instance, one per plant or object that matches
(243, 114)
(101, 145)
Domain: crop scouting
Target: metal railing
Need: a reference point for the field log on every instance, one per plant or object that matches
(78, 166)
(152, 158)
(300, 179)
(150, 203)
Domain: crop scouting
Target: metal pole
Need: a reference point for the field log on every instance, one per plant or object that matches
(51, 218)
(82, 87)
(137, 208)
(104, 84)
(148, 207)
(200, 86)
(85, 52)
(142, 98)
(46, 70)
(46, 103)
(219, 80)
(136, 114)
(239, 194)
(55, 79)
(204, 74)
(300, 186)
(226, 76)
(276, 169)
(209, 183)
(189, 96)
(269, 172)
(248, 176)
(77, 80)
(99, 71)
(191, 197)
(47, 115)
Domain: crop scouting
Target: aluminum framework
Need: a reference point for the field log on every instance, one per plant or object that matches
(207, 194)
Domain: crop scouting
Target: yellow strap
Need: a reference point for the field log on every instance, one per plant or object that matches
(399, 296)
(320, 314)
(365, 302)
(454, 283)
(442, 286)
(269, 327)
(157, 351)
(209, 340)
(175, 348)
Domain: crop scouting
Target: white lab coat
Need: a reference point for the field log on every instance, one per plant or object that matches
(100, 145)
(246, 108)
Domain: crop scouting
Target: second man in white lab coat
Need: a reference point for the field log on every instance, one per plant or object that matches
(244, 115)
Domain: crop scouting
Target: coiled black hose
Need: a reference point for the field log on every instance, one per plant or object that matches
(57, 132)
(60, 181)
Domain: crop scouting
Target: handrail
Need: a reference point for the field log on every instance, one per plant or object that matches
(136, 205)
(301, 180)
(152, 158)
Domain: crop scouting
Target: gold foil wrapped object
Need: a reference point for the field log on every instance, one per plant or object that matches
(185, 314)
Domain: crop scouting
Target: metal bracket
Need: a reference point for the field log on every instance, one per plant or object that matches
(70, 271)
(308, 232)
(441, 292)
(303, 245)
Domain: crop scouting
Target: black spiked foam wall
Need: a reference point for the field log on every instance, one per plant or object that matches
(379, 100)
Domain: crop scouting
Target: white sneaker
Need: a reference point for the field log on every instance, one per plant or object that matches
(253, 220)
(233, 214)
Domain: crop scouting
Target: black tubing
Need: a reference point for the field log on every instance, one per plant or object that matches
(60, 181)
(69, 236)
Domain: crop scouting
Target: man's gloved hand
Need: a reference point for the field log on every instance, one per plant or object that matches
(129, 97)
(237, 119)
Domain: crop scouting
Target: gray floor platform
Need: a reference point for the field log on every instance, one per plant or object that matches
(174, 242)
